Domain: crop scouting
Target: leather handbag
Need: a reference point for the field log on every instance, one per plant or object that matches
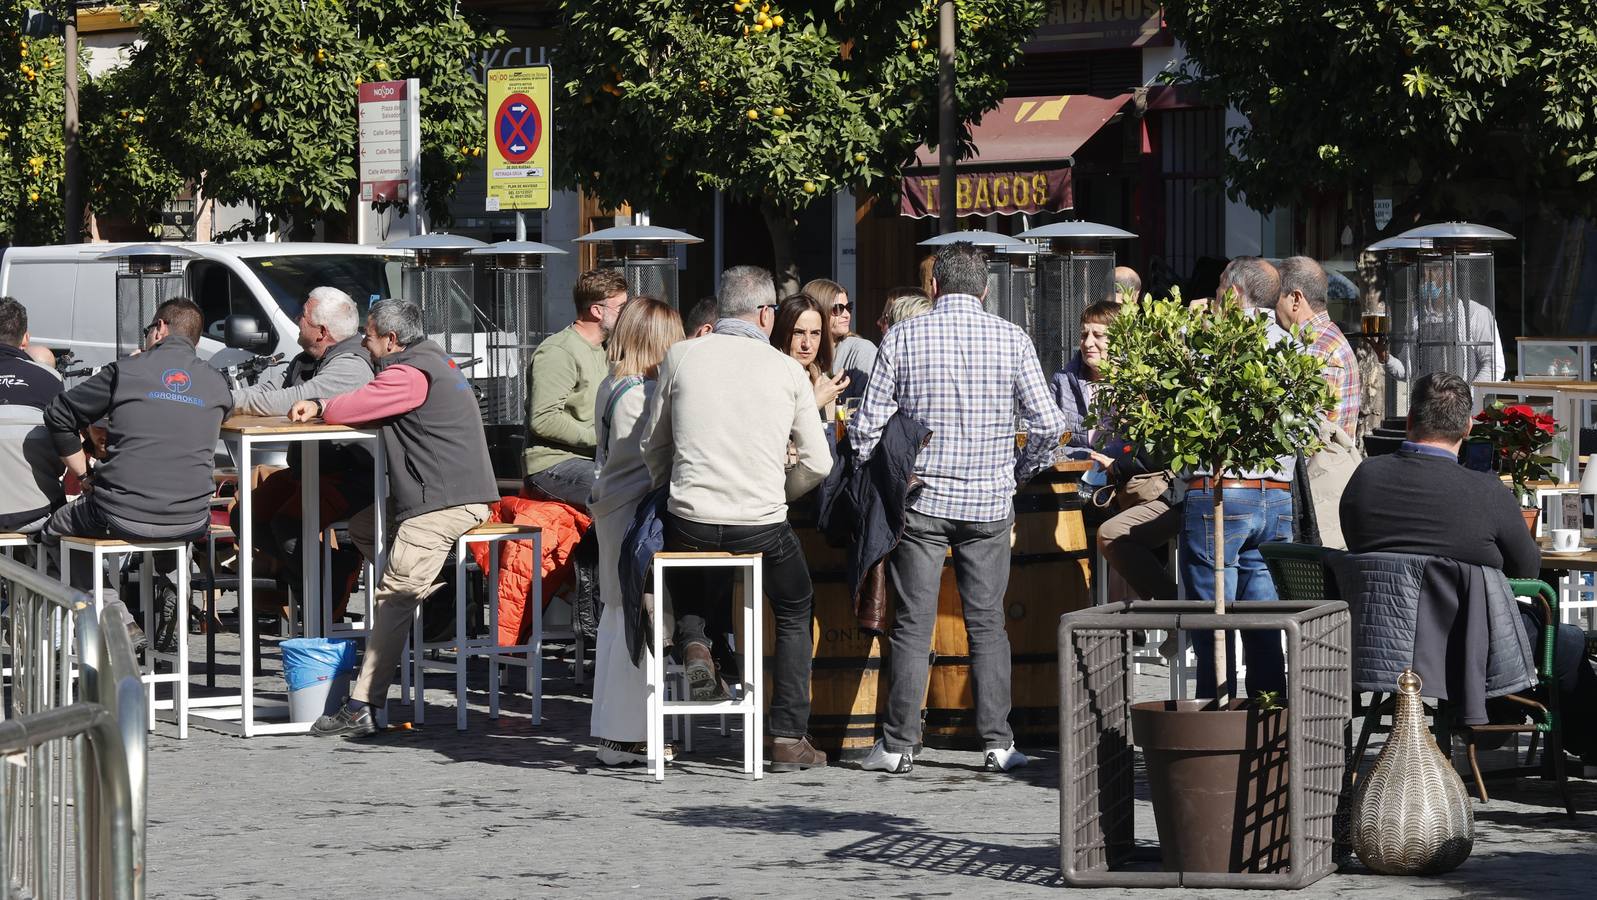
(1143, 488)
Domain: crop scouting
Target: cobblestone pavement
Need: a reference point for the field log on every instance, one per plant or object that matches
(512, 810)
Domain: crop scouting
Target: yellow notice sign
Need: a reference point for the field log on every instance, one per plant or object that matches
(520, 128)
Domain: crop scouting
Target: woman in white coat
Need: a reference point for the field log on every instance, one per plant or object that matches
(645, 330)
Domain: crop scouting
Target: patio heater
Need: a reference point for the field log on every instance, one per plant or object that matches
(644, 255)
(1441, 301)
(442, 281)
(1075, 271)
(516, 324)
(147, 275)
(1002, 298)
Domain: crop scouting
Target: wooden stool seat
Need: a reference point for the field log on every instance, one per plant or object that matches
(107, 542)
(705, 554)
(503, 528)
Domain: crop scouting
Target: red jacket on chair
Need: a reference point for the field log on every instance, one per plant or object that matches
(562, 526)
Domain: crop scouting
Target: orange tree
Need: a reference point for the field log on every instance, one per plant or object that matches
(31, 149)
(256, 101)
(773, 103)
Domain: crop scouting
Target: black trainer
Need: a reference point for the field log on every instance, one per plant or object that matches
(346, 723)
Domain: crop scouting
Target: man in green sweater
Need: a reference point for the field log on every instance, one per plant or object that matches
(565, 373)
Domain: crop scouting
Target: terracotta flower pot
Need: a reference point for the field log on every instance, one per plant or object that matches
(1218, 780)
(1530, 514)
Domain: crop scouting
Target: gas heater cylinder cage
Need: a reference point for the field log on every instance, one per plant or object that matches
(140, 289)
(1069, 281)
(647, 276)
(1009, 289)
(516, 328)
(1442, 310)
(444, 287)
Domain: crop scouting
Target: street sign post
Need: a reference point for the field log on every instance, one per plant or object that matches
(520, 123)
(389, 140)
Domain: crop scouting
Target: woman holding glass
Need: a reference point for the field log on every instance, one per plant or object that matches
(803, 331)
(1135, 522)
(643, 333)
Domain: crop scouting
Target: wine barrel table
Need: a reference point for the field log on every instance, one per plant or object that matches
(1049, 573)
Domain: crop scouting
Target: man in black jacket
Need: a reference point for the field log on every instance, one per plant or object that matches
(30, 470)
(163, 411)
(1420, 500)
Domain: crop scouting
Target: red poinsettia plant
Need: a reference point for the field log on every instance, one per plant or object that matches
(1521, 439)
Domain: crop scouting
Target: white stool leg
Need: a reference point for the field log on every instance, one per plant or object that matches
(492, 582)
(180, 698)
(418, 684)
(657, 680)
(460, 634)
(535, 665)
(753, 650)
(152, 618)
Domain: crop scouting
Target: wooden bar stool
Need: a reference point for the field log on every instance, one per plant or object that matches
(464, 647)
(747, 703)
(99, 549)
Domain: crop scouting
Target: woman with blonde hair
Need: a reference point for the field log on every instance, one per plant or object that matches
(643, 333)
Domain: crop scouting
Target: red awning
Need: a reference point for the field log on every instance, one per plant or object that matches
(1034, 130)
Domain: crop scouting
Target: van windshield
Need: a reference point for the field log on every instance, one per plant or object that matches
(289, 279)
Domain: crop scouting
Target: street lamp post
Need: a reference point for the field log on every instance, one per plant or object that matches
(72, 191)
(947, 123)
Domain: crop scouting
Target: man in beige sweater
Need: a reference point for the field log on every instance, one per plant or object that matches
(719, 426)
(563, 378)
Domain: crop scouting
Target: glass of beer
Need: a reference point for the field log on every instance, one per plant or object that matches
(845, 411)
(1374, 324)
(1022, 428)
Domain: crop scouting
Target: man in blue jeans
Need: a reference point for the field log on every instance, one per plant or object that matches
(1257, 509)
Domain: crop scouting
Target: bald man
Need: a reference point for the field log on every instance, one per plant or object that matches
(1128, 284)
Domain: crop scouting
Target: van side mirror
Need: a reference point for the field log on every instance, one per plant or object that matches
(245, 333)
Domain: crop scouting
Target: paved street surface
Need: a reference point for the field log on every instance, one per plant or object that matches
(511, 810)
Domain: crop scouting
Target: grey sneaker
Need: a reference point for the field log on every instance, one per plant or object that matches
(884, 760)
(346, 723)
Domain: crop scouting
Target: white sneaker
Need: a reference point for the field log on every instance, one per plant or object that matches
(1004, 759)
(881, 759)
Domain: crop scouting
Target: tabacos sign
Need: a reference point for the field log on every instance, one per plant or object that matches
(987, 193)
(1100, 25)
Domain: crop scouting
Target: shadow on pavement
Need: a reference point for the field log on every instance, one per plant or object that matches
(802, 821)
(955, 856)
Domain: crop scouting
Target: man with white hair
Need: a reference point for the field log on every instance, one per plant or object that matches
(333, 363)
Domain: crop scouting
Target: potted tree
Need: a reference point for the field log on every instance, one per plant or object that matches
(1211, 390)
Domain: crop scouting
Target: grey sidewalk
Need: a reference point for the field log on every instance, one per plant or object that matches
(509, 810)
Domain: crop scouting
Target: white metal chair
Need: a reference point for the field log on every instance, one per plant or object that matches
(747, 702)
(101, 548)
(462, 647)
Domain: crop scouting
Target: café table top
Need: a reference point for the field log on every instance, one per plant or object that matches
(1585, 561)
(270, 425)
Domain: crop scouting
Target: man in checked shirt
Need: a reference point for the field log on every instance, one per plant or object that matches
(965, 374)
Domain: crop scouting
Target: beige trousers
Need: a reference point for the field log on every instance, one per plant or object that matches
(416, 555)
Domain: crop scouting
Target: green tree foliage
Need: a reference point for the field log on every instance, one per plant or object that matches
(1343, 94)
(128, 174)
(255, 99)
(31, 147)
(1210, 390)
(774, 103)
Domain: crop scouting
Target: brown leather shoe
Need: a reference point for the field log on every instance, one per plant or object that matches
(794, 754)
(699, 667)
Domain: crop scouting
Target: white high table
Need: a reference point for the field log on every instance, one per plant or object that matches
(240, 712)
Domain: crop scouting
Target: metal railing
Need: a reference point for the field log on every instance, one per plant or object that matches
(72, 747)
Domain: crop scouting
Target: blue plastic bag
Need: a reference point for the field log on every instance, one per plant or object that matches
(307, 661)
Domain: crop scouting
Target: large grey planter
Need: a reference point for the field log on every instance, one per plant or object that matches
(1097, 750)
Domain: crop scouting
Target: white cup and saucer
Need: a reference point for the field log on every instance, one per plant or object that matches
(1566, 540)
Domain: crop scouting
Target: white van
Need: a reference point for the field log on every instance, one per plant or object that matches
(251, 292)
